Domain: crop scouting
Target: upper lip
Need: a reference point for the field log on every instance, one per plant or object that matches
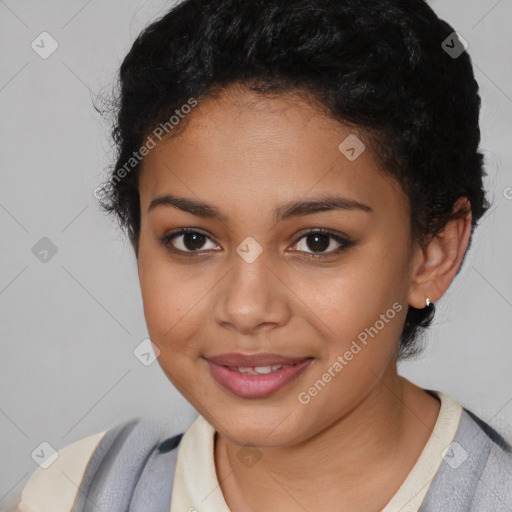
(250, 360)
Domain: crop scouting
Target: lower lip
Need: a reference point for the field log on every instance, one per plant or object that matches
(256, 386)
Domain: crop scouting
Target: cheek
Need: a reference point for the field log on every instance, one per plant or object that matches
(352, 298)
(164, 299)
(159, 304)
(169, 327)
(360, 310)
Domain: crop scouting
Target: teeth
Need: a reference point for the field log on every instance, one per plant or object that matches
(259, 370)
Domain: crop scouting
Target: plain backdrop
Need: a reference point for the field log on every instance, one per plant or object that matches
(69, 325)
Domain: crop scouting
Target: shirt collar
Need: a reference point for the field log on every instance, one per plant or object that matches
(196, 487)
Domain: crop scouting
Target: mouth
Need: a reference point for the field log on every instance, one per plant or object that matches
(259, 370)
(263, 359)
(257, 381)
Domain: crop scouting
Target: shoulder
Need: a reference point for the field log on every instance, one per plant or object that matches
(113, 459)
(54, 488)
(494, 487)
(476, 473)
(499, 442)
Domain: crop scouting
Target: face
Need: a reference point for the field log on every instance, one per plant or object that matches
(256, 275)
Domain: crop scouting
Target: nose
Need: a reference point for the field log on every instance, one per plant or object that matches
(253, 298)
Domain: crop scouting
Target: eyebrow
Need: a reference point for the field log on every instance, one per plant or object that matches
(284, 212)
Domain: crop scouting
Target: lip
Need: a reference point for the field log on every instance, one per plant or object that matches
(256, 386)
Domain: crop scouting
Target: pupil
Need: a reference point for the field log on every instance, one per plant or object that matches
(318, 246)
(196, 240)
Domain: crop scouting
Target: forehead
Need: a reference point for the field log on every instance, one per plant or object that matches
(241, 150)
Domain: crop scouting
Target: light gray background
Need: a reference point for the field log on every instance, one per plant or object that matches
(69, 326)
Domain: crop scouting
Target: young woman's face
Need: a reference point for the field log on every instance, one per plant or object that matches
(257, 277)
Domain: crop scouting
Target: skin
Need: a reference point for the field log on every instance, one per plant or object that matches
(355, 442)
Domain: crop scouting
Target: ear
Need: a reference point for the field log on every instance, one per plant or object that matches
(437, 264)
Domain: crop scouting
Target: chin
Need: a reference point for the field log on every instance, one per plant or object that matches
(261, 428)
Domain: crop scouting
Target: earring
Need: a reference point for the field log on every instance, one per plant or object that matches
(427, 302)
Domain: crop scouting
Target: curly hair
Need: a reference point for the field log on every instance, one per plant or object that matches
(380, 65)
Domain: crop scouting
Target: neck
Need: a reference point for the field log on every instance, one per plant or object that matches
(364, 456)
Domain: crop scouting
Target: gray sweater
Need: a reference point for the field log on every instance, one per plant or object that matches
(132, 470)
(476, 472)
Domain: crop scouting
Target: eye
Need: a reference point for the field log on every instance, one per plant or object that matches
(319, 241)
(187, 240)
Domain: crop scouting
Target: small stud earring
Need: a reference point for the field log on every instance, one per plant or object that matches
(427, 302)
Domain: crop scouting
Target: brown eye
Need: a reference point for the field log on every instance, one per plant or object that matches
(187, 240)
(320, 242)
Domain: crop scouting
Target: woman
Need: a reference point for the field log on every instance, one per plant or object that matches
(300, 182)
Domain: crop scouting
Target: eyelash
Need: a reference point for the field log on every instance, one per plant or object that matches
(344, 242)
